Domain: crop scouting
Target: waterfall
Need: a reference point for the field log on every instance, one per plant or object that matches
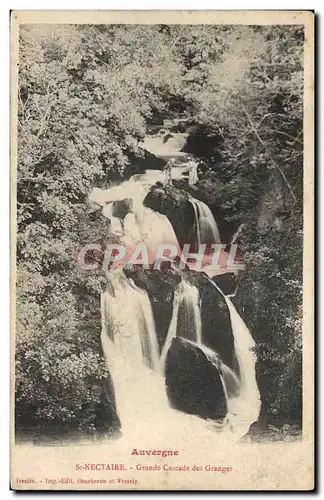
(129, 337)
(207, 231)
(116, 226)
(133, 333)
(155, 228)
(141, 224)
(244, 401)
(130, 347)
(246, 406)
(193, 175)
(148, 227)
(232, 383)
(127, 189)
(186, 319)
(149, 178)
(131, 350)
(242, 394)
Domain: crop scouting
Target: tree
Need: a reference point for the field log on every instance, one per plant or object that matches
(86, 95)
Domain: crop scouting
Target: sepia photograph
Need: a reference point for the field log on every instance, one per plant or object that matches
(161, 198)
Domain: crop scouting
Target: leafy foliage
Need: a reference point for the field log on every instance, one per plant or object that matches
(86, 95)
(253, 117)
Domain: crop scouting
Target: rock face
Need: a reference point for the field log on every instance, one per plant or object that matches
(160, 289)
(174, 203)
(216, 324)
(227, 282)
(149, 161)
(210, 191)
(122, 208)
(193, 383)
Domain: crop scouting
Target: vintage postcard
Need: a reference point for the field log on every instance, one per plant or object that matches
(162, 183)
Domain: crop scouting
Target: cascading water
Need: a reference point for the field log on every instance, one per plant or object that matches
(242, 394)
(186, 320)
(207, 230)
(154, 228)
(231, 382)
(130, 347)
(129, 338)
(136, 330)
(244, 402)
(141, 224)
(116, 226)
(131, 350)
(246, 406)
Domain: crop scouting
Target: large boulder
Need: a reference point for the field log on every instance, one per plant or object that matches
(174, 203)
(211, 191)
(216, 323)
(148, 161)
(227, 283)
(193, 382)
(215, 317)
(121, 208)
(160, 288)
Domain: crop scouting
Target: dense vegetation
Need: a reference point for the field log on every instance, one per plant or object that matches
(86, 97)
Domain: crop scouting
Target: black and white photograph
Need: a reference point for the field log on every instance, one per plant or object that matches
(160, 184)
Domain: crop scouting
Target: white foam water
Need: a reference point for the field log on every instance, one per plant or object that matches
(129, 337)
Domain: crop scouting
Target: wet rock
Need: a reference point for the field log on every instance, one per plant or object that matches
(215, 317)
(211, 191)
(193, 383)
(227, 282)
(174, 203)
(160, 287)
(122, 208)
(148, 161)
(216, 323)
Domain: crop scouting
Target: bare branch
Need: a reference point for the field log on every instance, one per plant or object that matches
(265, 148)
(253, 127)
(267, 115)
(295, 139)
